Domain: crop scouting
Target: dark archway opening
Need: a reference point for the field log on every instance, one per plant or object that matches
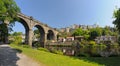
(39, 36)
(50, 35)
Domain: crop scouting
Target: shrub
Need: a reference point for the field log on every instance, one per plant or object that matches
(53, 50)
(25, 46)
(36, 44)
(58, 52)
(43, 49)
(92, 42)
(17, 40)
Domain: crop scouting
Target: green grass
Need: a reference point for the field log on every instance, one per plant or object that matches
(50, 59)
(107, 61)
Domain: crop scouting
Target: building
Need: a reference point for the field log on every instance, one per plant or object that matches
(75, 26)
(61, 29)
(67, 39)
(106, 39)
(23, 37)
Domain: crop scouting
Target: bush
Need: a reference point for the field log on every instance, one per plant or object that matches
(58, 52)
(92, 43)
(43, 49)
(25, 46)
(53, 50)
(36, 44)
(17, 40)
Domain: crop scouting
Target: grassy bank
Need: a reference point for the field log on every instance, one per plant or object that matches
(50, 59)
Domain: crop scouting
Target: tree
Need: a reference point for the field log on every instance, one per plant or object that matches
(116, 22)
(37, 33)
(95, 32)
(17, 34)
(81, 32)
(8, 12)
(78, 32)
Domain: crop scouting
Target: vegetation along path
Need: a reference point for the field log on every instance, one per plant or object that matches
(11, 57)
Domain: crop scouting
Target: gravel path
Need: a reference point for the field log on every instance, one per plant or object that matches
(10, 57)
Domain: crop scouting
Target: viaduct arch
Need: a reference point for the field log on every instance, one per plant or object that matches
(47, 33)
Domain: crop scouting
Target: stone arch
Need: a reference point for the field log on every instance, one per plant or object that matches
(42, 34)
(50, 35)
(26, 26)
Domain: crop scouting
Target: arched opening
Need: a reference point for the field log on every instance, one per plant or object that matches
(20, 28)
(50, 35)
(39, 36)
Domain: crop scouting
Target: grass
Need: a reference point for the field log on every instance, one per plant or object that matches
(107, 61)
(50, 59)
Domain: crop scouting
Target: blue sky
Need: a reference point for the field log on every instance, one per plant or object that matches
(63, 13)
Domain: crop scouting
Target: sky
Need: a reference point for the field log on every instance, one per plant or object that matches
(64, 13)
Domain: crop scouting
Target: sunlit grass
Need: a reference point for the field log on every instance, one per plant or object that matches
(50, 59)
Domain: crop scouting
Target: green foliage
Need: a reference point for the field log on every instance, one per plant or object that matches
(17, 34)
(8, 10)
(17, 40)
(50, 59)
(58, 52)
(16, 37)
(95, 32)
(78, 32)
(8, 13)
(53, 50)
(36, 44)
(81, 32)
(116, 22)
(37, 33)
(109, 31)
(25, 46)
(43, 49)
(92, 43)
(63, 34)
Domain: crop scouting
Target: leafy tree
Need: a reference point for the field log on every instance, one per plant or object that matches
(116, 22)
(63, 34)
(8, 12)
(81, 32)
(17, 34)
(95, 32)
(78, 32)
(37, 33)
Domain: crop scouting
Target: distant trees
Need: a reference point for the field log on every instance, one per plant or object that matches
(95, 32)
(92, 33)
(16, 38)
(81, 32)
(37, 33)
(17, 34)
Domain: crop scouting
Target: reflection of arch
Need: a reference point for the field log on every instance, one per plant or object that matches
(50, 35)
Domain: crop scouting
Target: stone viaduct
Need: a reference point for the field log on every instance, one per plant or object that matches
(46, 32)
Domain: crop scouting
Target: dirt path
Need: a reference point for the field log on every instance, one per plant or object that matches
(10, 57)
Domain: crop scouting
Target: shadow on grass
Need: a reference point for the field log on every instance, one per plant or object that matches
(105, 61)
(17, 50)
